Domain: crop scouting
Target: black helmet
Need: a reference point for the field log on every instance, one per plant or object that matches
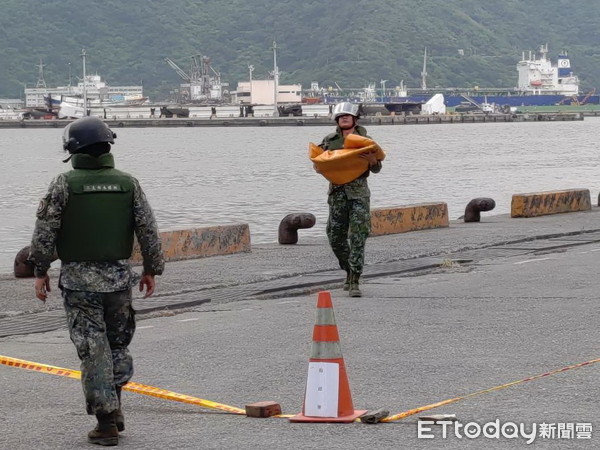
(86, 131)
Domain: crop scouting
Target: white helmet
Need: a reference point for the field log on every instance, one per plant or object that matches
(344, 108)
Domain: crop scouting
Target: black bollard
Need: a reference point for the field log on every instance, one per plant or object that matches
(23, 267)
(288, 227)
(475, 206)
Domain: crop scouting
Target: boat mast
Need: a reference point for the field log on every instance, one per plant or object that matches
(275, 76)
(250, 69)
(383, 89)
(424, 71)
(85, 108)
(41, 83)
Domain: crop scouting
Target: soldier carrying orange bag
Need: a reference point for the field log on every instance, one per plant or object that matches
(346, 157)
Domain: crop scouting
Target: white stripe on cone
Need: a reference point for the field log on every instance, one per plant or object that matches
(322, 389)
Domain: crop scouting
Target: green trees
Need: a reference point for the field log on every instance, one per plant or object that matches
(352, 43)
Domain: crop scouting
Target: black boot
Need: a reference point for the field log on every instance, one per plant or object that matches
(106, 432)
(119, 418)
(347, 282)
(354, 291)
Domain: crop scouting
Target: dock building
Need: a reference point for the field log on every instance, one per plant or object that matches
(260, 92)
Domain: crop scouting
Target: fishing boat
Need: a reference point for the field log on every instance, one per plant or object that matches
(11, 114)
(97, 90)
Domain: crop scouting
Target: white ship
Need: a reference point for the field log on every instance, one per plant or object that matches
(97, 92)
(538, 75)
(99, 95)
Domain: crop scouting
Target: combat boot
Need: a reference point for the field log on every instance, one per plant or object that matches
(347, 282)
(106, 432)
(354, 291)
(119, 418)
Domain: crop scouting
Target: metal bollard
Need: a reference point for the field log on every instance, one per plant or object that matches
(475, 206)
(23, 267)
(288, 227)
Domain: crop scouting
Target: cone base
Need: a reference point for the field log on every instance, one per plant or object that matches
(342, 419)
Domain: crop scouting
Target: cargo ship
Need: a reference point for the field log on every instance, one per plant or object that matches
(540, 83)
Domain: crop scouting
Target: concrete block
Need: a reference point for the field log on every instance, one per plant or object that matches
(201, 242)
(550, 202)
(408, 218)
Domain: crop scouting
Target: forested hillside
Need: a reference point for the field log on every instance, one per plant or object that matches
(348, 42)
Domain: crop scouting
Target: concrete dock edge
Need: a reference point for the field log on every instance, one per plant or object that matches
(202, 242)
(550, 202)
(402, 219)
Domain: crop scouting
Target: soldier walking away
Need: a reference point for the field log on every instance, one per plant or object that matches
(90, 215)
(349, 222)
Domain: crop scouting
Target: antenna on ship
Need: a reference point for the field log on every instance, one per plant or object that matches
(543, 51)
(41, 83)
(424, 72)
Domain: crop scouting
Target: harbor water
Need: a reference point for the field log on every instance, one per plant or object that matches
(196, 177)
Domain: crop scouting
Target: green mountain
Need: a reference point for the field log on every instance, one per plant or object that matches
(348, 42)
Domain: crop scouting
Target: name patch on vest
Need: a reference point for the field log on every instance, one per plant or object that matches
(102, 188)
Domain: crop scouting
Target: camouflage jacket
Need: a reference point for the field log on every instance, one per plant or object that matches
(93, 276)
(358, 188)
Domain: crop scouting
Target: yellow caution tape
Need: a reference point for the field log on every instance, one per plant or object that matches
(132, 387)
(411, 412)
(414, 411)
(169, 395)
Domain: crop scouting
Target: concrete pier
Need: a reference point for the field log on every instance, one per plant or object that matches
(269, 121)
(446, 313)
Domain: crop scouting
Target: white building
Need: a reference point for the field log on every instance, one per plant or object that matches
(260, 92)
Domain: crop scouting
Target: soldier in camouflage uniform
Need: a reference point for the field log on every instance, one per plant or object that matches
(90, 215)
(349, 222)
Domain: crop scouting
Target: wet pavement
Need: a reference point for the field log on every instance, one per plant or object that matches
(500, 315)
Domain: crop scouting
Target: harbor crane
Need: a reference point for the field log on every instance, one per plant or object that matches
(202, 82)
(178, 69)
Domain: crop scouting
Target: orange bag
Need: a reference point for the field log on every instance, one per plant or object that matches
(344, 165)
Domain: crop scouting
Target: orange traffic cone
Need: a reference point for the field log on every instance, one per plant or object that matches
(327, 397)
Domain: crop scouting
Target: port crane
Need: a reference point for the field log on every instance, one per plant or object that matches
(574, 99)
(587, 96)
(178, 69)
(202, 83)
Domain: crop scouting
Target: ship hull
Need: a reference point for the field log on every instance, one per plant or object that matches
(453, 100)
(510, 100)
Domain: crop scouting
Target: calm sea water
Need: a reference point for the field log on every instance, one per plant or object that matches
(197, 177)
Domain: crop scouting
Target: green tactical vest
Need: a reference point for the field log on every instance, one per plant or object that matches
(97, 222)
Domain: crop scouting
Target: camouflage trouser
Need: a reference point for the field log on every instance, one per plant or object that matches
(101, 325)
(348, 227)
